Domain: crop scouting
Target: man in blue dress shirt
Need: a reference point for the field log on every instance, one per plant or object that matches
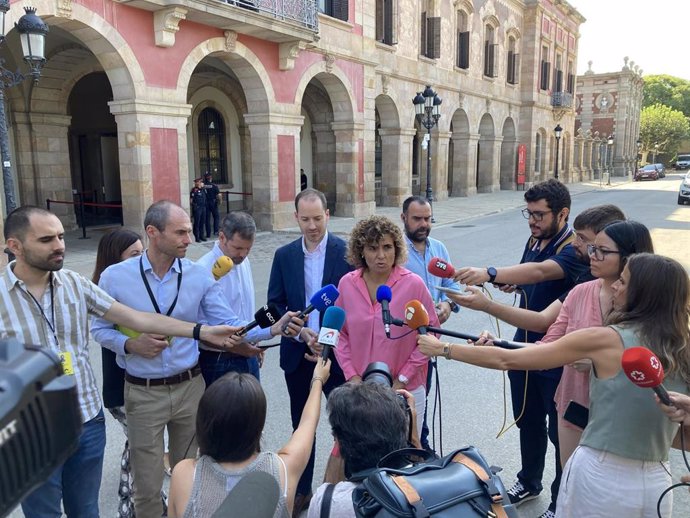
(162, 382)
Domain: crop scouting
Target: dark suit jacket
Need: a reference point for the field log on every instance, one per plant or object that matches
(286, 288)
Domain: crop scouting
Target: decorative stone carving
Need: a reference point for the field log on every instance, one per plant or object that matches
(230, 40)
(385, 83)
(288, 52)
(64, 8)
(166, 23)
(330, 60)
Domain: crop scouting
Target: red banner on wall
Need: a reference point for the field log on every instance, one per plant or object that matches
(521, 163)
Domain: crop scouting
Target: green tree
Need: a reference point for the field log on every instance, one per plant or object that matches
(667, 90)
(664, 126)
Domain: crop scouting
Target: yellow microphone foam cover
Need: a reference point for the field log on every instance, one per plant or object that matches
(127, 331)
(222, 266)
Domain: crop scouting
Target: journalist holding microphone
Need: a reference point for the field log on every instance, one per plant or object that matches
(377, 251)
(621, 465)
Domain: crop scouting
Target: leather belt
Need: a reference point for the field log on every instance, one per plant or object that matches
(170, 380)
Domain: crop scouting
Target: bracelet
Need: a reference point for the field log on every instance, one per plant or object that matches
(316, 378)
(196, 332)
(447, 350)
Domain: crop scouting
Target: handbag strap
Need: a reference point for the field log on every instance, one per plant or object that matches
(483, 476)
(411, 495)
(326, 501)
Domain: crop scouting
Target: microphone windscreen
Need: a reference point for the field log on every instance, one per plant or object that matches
(267, 315)
(440, 268)
(334, 318)
(416, 315)
(642, 367)
(222, 266)
(383, 292)
(324, 298)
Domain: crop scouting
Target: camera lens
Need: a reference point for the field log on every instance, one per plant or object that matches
(379, 373)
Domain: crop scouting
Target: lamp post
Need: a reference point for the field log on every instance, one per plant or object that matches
(557, 131)
(427, 106)
(32, 32)
(656, 150)
(609, 159)
(637, 157)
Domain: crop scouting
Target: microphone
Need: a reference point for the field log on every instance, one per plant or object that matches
(644, 369)
(440, 268)
(222, 267)
(264, 317)
(320, 300)
(383, 297)
(498, 342)
(333, 320)
(416, 316)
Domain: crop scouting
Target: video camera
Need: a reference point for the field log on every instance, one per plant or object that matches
(380, 373)
(40, 422)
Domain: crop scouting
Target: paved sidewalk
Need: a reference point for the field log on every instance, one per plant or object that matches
(81, 253)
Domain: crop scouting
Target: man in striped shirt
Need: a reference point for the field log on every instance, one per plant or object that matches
(48, 306)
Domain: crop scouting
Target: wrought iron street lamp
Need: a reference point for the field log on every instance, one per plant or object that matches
(637, 157)
(32, 32)
(427, 107)
(557, 131)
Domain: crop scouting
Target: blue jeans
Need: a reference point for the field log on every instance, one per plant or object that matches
(77, 482)
(214, 365)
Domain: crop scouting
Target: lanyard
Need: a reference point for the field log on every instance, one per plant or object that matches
(148, 288)
(51, 322)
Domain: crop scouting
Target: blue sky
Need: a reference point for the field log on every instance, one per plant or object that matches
(652, 34)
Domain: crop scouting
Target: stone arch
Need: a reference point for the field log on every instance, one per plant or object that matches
(245, 65)
(337, 86)
(461, 150)
(484, 179)
(508, 155)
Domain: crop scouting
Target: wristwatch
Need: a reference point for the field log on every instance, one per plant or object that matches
(491, 271)
(403, 379)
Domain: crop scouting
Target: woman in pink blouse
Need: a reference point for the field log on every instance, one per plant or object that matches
(377, 250)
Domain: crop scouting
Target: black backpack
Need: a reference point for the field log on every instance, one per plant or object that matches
(415, 484)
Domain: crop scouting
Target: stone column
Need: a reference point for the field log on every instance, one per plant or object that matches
(464, 164)
(275, 142)
(152, 141)
(396, 160)
(43, 162)
(439, 164)
(354, 187)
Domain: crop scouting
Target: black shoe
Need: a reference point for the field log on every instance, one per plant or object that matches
(519, 495)
(202, 239)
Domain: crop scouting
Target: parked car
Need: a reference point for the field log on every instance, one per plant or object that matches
(661, 169)
(648, 171)
(683, 162)
(684, 190)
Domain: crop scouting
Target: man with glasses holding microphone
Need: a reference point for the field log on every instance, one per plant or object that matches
(548, 269)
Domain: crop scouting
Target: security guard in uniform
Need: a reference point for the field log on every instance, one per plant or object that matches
(197, 202)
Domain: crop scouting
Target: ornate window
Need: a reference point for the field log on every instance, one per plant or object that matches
(212, 149)
(490, 51)
(386, 21)
(339, 9)
(463, 41)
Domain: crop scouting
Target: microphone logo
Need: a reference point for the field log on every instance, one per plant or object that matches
(269, 315)
(441, 265)
(638, 376)
(409, 312)
(326, 300)
(654, 362)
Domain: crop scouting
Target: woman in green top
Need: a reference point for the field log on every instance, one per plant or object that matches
(621, 465)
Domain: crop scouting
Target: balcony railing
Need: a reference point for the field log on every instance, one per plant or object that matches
(303, 12)
(562, 100)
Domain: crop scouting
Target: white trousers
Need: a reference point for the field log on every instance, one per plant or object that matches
(599, 484)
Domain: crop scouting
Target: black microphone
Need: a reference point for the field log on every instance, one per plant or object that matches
(329, 334)
(498, 342)
(264, 317)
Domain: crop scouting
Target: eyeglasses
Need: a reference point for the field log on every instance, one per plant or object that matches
(538, 215)
(598, 253)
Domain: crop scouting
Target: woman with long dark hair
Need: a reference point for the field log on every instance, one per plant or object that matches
(621, 466)
(115, 246)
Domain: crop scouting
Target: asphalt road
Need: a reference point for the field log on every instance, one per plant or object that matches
(475, 401)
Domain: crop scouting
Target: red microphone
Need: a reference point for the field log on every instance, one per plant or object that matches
(440, 268)
(644, 369)
(416, 316)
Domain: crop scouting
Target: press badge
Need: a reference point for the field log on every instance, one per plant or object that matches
(66, 360)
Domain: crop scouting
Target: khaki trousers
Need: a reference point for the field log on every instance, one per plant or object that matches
(149, 410)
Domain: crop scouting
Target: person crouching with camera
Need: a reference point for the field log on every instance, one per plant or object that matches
(369, 420)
